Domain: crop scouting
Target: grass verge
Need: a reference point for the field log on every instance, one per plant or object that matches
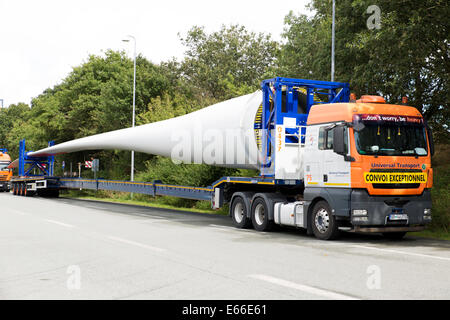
(432, 234)
(171, 203)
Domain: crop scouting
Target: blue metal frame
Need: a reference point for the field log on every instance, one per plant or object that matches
(27, 163)
(331, 92)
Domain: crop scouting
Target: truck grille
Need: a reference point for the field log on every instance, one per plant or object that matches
(3, 178)
(395, 185)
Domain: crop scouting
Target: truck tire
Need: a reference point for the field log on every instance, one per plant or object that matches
(323, 222)
(260, 215)
(394, 235)
(239, 213)
(14, 189)
(28, 193)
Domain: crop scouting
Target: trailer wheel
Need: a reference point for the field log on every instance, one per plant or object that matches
(323, 222)
(239, 213)
(21, 189)
(394, 235)
(28, 193)
(14, 189)
(260, 215)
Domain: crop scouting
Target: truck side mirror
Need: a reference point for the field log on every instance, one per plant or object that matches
(430, 140)
(338, 140)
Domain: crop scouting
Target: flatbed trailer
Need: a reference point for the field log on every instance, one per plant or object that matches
(219, 192)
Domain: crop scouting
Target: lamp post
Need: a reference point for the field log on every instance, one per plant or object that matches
(332, 41)
(134, 100)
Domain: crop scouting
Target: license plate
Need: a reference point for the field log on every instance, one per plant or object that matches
(398, 216)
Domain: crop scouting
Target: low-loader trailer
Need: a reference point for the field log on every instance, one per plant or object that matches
(328, 163)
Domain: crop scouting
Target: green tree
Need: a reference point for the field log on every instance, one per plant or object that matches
(95, 97)
(232, 54)
(8, 118)
(409, 55)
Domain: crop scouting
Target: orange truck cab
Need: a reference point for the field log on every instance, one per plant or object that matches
(5, 173)
(371, 162)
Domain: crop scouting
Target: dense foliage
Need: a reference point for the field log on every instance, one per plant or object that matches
(409, 55)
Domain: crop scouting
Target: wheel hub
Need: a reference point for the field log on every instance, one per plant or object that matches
(239, 212)
(322, 220)
(260, 214)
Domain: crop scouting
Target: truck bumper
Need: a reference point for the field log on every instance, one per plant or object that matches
(389, 213)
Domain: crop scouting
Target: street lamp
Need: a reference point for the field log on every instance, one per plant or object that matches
(134, 99)
(332, 41)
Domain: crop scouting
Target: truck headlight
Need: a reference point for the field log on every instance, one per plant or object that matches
(359, 212)
(427, 212)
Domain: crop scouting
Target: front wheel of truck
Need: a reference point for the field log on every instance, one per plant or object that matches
(323, 222)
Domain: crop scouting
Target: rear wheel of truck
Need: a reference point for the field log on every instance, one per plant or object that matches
(239, 213)
(394, 235)
(323, 222)
(260, 215)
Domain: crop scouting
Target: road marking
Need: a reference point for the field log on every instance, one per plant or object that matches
(226, 228)
(302, 287)
(148, 221)
(18, 212)
(402, 252)
(221, 227)
(137, 244)
(60, 223)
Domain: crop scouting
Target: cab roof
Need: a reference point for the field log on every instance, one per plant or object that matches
(326, 113)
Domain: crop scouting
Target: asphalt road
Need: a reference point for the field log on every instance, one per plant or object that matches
(78, 249)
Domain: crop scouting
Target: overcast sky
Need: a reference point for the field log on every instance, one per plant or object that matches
(42, 40)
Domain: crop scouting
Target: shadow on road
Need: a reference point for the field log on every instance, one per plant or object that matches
(195, 219)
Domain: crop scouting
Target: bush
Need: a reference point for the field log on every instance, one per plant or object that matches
(440, 193)
(198, 175)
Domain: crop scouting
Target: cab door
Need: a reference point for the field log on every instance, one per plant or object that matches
(335, 170)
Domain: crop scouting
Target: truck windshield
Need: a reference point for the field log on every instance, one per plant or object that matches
(391, 138)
